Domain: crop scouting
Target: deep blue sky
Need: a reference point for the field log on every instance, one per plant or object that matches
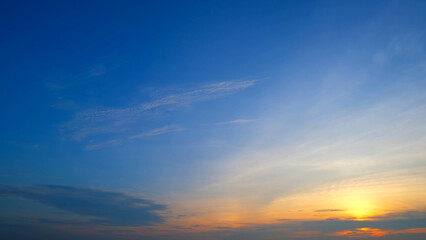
(214, 114)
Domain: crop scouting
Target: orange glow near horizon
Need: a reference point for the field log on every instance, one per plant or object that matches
(375, 232)
(362, 232)
(359, 199)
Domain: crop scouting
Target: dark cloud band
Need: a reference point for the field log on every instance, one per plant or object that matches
(109, 208)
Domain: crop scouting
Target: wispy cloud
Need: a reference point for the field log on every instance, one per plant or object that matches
(63, 82)
(64, 105)
(158, 131)
(95, 122)
(236, 121)
(102, 144)
(97, 71)
(150, 133)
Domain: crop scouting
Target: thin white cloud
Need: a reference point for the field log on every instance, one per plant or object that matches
(158, 131)
(61, 82)
(94, 122)
(102, 144)
(236, 121)
(97, 71)
(379, 58)
(64, 105)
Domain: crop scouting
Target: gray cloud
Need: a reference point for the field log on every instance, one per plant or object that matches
(403, 215)
(108, 208)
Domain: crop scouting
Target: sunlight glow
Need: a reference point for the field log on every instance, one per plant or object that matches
(360, 208)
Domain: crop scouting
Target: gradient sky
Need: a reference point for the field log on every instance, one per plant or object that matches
(213, 120)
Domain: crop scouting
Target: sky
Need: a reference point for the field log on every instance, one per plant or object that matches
(213, 120)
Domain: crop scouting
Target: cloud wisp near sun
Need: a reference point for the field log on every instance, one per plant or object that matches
(214, 120)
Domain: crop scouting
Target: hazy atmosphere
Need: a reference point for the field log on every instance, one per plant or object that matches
(213, 120)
